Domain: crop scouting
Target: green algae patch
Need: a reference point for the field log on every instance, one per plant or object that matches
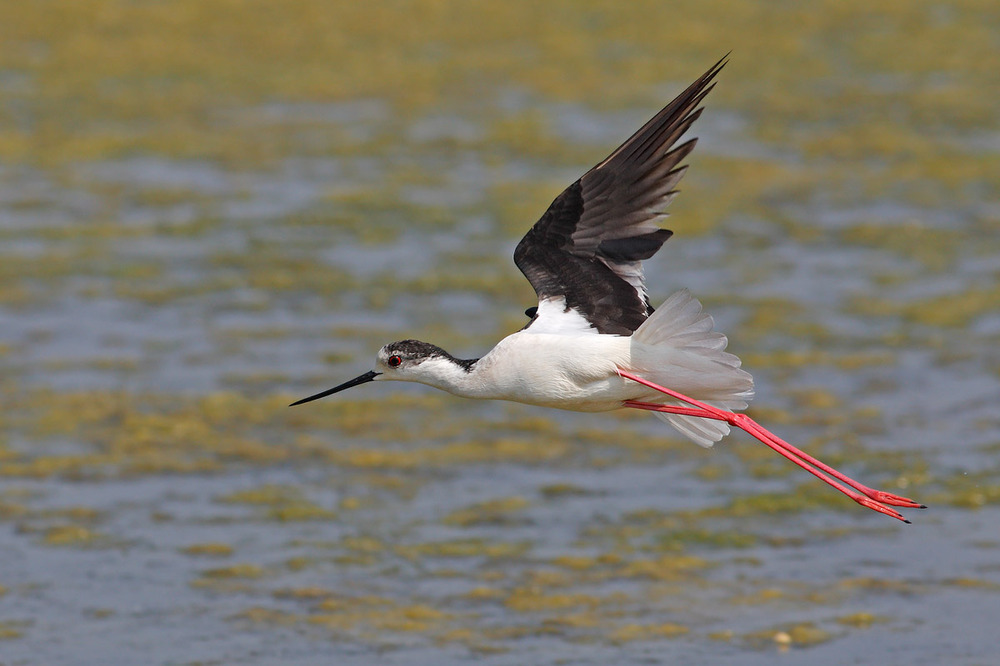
(235, 579)
(556, 490)
(713, 472)
(882, 586)
(391, 61)
(501, 450)
(801, 635)
(500, 512)
(807, 634)
(119, 434)
(954, 310)
(12, 510)
(363, 544)
(666, 568)
(935, 248)
(816, 398)
(372, 616)
(761, 596)
(681, 539)
(280, 503)
(73, 536)
(299, 511)
(647, 632)
(484, 593)
(99, 613)
(804, 498)
(211, 549)
(969, 490)
(532, 600)
(341, 602)
(267, 616)
(304, 593)
(971, 498)
(586, 620)
(81, 514)
(861, 620)
(236, 571)
(464, 548)
(300, 563)
(575, 563)
(13, 629)
(596, 567)
(973, 583)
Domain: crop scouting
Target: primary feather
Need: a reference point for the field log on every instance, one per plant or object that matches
(587, 248)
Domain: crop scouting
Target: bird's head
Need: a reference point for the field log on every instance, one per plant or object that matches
(406, 361)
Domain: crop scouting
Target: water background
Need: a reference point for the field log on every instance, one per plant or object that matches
(208, 211)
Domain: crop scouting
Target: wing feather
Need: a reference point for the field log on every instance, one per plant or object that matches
(586, 250)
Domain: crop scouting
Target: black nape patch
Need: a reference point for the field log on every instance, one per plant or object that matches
(414, 349)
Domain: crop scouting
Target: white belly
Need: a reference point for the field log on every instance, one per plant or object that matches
(577, 373)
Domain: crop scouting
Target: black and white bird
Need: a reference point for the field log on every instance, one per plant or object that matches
(594, 342)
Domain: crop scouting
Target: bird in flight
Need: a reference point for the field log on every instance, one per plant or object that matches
(594, 343)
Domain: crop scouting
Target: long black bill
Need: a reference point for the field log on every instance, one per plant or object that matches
(363, 379)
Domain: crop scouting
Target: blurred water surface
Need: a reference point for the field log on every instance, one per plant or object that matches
(208, 210)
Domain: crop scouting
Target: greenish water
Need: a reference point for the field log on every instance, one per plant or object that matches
(207, 211)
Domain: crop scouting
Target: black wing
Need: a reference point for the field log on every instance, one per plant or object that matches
(589, 244)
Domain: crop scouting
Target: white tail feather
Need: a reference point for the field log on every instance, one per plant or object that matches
(678, 348)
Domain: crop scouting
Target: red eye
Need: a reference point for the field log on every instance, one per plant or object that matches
(394, 361)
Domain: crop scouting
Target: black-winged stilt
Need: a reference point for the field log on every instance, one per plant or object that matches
(594, 343)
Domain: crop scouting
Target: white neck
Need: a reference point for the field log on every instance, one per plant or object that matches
(447, 375)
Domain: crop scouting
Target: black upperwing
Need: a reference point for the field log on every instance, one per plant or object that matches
(589, 244)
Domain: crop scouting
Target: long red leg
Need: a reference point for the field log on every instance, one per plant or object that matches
(869, 497)
(744, 422)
